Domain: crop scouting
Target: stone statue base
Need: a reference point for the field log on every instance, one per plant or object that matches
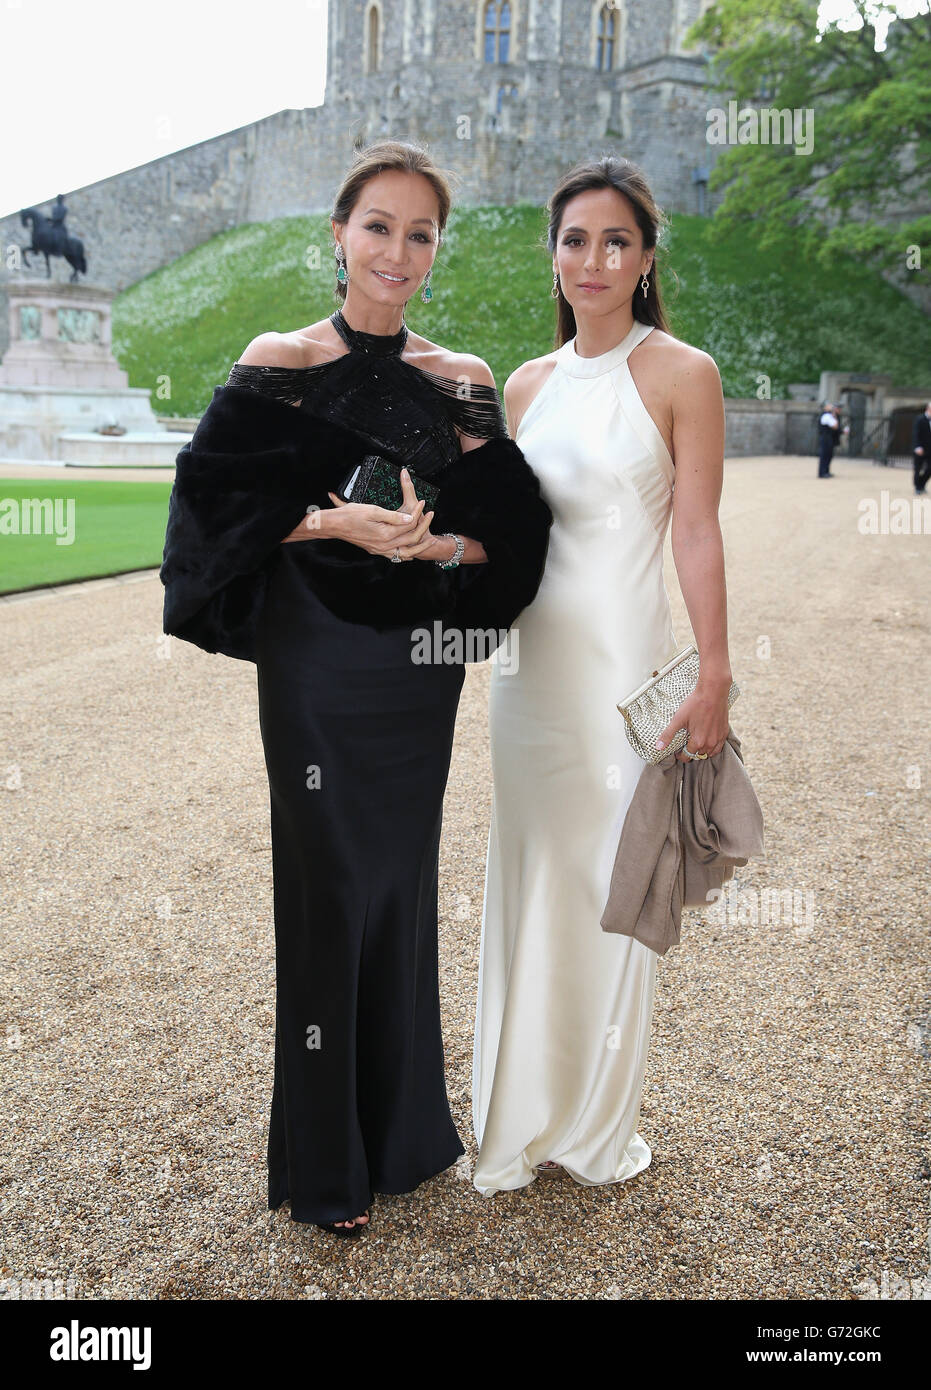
(60, 383)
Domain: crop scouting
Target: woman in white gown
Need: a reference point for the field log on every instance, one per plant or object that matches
(608, 422)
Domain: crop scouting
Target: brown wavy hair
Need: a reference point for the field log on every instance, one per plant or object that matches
(375, 159)
(611, 171)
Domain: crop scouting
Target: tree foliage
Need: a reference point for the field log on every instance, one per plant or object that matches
(865, 188)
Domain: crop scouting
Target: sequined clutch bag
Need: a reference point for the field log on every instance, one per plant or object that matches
(377, 480)
(650, 707)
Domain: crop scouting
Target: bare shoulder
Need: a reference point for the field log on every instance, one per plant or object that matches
(458, 366)
(524, 384)
(681, 363)
(535, 370)
(303, 348)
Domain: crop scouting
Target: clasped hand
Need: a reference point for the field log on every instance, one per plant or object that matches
(376, 529)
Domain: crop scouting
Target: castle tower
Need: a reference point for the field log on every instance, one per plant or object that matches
(511, 92)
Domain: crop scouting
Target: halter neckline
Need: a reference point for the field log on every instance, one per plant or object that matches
(376, 344)
(574, 365)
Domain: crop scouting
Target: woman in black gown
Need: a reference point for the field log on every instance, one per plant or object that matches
(357, 735)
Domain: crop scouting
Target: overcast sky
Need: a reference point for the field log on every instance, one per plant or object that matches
(120, 82)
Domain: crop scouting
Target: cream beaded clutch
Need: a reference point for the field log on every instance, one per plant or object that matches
(651, 706)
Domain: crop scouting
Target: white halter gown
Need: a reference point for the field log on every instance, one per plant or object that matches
(564, 1009)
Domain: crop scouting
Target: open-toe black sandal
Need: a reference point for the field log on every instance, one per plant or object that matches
(345, 1231)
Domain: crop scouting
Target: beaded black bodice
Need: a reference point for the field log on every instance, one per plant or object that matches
(408, 414)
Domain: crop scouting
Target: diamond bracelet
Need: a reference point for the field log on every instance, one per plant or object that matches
(453, 560)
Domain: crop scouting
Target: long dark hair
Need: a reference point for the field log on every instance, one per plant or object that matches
(611, 171)
(376, 159)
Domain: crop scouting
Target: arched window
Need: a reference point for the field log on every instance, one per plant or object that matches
(604, 51)
(371, 56)
(497, 31)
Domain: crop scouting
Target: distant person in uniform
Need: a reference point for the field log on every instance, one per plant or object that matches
(828, 436)
(921, 450)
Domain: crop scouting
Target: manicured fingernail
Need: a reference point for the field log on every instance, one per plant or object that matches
(407, 516)
(660, 743)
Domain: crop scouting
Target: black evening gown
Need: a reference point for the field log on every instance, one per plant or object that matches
(357, 741)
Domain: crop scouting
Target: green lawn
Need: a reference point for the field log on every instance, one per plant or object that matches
(769, 314)
(116, 526)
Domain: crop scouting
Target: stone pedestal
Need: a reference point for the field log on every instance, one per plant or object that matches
(60, 336)
(60, 383)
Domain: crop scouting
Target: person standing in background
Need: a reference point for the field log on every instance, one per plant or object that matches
(921, 450)
(828, 437)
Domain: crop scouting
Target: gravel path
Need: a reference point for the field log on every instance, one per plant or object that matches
(786, 1089)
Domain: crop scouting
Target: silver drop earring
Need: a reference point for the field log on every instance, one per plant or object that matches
(644, 285)
(555, 290)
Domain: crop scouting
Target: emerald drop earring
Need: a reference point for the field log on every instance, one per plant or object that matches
(342, 274)
(426, 294)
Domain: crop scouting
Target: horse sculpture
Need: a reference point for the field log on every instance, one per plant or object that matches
(50, 237)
